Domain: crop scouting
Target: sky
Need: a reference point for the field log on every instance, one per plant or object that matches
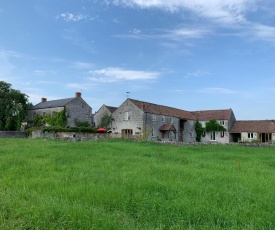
(191, 55)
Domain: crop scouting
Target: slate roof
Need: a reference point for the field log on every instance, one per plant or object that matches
(52, 104)
(162, 110)
(257, 126)
(111, 108)
(206, 115)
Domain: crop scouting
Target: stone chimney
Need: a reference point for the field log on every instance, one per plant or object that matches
(43, 99)
(77, 94)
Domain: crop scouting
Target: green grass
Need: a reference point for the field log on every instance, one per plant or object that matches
(47, 184)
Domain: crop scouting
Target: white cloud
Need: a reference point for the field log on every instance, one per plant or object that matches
(196, 74)
(113, 74)
(69, 17)
(83, 65)
(80, 86)
(226, 11)
(217, 90)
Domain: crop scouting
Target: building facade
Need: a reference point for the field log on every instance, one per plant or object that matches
(76, 109)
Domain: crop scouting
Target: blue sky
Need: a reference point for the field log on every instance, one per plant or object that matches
(192, 55)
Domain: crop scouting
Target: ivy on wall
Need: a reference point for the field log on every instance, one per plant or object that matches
(210, 126)
(58, 119)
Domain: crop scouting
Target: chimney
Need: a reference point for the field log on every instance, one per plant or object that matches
(43, 99)
(77, 94)
(142, 106)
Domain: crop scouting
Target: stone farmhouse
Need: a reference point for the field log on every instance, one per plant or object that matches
(224, 117)
(76, 108)
(170, 124)
(104, 109)
(262, 131)
(161, 122)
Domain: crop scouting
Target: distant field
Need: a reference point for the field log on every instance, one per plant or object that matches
(48, 184)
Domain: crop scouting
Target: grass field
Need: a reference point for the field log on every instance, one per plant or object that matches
(48, 184)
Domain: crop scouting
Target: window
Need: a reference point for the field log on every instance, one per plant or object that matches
(213, 136)
(153, 133)
(203, 133)
(171, 119)
(222, 133)
(202, 124)
(154, 118)
(191, 123)
(222, 123)
(250, 135)
(126, 116)
(163, 119)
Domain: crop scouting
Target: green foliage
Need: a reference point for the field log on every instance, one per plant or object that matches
(48, 184)
(199, 131)
(79, 123)
(13, 107)
(56, 129)
(105, 121)
(59, 119)
(145, 133)
(213, 125)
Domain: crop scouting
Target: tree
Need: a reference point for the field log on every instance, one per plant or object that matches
(13, 107)
(105, 121)
(213, 125)
(199, 131)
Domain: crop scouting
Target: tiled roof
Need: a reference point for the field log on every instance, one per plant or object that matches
(111, 108)
(258, 126)
(167, 127)
(206, 115)
(162, 110)
(52, 104)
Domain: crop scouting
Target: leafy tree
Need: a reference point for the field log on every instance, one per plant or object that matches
(213, 125)
(59, 119)
(199, 131)
(13, 107)
(79, 123)
(105, 121)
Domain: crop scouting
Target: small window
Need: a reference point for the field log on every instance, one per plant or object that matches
(154, 118)
(153, 133)
(191, 123)
(126, 116)
(202, 124)
(163, 119)
(203, 133)
(171, 119)
(222, 123)
(222, 133)
(250, 135)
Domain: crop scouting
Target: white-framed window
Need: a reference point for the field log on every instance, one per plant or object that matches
(222, 123)
(250, 135)
(222, 133)
(163, 119)
(191, 123)
(153, 133)
(213, 136)
(171, 119)
(202, 124)
(126, 116)
(154, 118)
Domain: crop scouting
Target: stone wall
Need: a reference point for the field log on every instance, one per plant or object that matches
(12, 134)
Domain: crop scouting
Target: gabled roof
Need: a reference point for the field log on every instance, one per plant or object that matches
(52, 104)
(167, 127)
(206, 115)
(111, 108)
(258, 126)
(162, 110)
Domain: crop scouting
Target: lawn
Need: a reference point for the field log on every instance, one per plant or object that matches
(49, 184)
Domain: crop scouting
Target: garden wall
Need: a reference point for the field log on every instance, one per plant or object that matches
(73, 136)
(12, 134)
